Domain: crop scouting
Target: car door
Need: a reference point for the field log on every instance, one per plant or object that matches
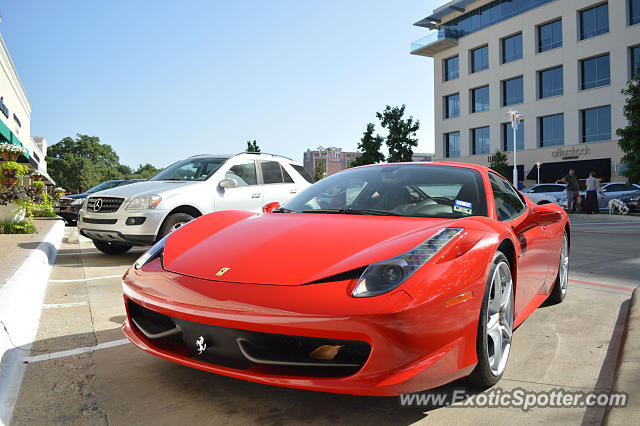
(532, 267)
(277, 183)
(615, 190)
(247, 195)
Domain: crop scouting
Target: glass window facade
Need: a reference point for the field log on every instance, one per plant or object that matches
(512, 92)
(594, 21)
(451, 68)
(507, 137)
(489, 14)
(550, 83)
(480, 140)
(550, 36)
(551, 130)
(480, 59)
(635, 60)
(594, 72)
(634, 12)
(452, 106)
(596, 124)
(511, 48)
(480, 99)
(452, 144)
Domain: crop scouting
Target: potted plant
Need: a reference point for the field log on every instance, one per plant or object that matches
(11, 152)
(36, 176)
(11, 200)
(10, 172)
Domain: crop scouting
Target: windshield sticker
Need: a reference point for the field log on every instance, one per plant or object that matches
(463, 207)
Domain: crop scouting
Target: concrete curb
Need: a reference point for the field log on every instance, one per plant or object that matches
(627, 377)
(21, 299)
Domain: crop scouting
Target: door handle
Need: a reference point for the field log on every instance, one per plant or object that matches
(256, 195)
(293, 191)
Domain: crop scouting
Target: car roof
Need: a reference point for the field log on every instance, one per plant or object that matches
(437, 163)
(228, 156)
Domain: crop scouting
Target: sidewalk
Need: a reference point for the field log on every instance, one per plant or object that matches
(15, 248)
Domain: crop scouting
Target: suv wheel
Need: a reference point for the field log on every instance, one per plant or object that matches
(173, 222)
(112, 247)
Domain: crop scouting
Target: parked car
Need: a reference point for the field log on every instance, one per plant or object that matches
(632, 201)
(612, 190)
(414, 277)
(69, 205)
(143, 213)
(548, 193)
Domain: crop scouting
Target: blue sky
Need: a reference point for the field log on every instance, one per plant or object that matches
(160, 81)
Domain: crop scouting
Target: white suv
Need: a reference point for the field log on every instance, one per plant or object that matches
(144, 212)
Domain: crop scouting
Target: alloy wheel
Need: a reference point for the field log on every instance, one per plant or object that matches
(500, 318)
(563, 273)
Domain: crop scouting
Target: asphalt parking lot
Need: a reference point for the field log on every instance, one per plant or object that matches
(573, 346)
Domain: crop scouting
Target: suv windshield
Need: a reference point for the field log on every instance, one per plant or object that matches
(396, 190)
(191, 169)
(104, 185)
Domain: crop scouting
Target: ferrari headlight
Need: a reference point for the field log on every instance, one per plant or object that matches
(384, 276)
(153, 253)
(144, 202)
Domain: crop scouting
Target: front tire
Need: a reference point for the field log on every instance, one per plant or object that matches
(173, 222)
(495, 326)
(112, 247)
(560, 286)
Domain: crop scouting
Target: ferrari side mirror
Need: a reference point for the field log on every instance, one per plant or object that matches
(539, 215)
(269, 208)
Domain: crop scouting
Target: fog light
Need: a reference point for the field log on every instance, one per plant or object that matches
(135, 220)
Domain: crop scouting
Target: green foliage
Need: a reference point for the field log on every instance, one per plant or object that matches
(629, 136)
(370, 147)
(252, 146)
(80, 163)
(24, 227)
(499, 163)
(400, 141)
(143, 172)
(320, 170)
(14, 168)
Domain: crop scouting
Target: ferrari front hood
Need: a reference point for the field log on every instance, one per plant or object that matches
(289, 248)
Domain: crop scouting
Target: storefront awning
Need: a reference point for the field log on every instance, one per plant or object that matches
(6, 135)
(551, 172)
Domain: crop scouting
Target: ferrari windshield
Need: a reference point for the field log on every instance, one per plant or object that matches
(419, 190)
(191, 169)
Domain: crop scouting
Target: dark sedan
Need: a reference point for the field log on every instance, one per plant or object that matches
(632, 201)
(69, 205)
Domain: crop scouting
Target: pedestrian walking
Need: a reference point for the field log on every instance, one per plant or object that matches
(593, 187)
(572, 190)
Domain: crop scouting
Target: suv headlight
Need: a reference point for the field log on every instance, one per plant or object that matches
(77, 201)
(144, 202)
(382, 277)
(153, 253)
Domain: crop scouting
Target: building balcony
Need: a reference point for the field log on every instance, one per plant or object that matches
(435, 42)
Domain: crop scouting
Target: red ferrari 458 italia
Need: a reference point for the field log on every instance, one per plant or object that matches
(378, 280)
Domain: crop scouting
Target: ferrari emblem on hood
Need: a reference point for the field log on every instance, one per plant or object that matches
(201, 345)
(222, 271)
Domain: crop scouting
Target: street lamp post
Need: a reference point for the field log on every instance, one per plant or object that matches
(538, 164)
(515, 117)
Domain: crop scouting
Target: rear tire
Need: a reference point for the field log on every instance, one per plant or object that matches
(495, 325)
(112, 247)
(559, 291)
(173, 222)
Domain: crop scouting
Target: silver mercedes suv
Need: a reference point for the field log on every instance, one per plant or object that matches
(144, 212)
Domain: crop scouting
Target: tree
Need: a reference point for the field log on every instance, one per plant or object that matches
(252, 146)
(399, 140)
(319, 171)
(629, 136)
(370, 147)
(499, 163)
(145, 171)
(80, 163)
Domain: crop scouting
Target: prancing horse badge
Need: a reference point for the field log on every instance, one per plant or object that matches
(222, 271)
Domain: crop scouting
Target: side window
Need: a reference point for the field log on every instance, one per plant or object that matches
(508, 203)
(303, 172)
(557, 188)
(285, 176)
(271, 172)
(244, 174)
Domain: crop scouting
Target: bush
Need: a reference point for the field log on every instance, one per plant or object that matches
(23, 227)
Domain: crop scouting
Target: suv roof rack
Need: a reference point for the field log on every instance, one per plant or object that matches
(266, 153)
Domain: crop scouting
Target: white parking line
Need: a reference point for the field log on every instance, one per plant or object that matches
(62, 354)
(604, 223)
(63, 305)
(86, 279)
